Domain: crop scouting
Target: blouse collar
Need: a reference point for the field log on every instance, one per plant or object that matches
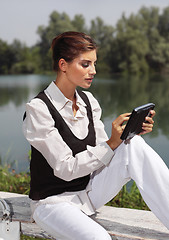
(59, 99)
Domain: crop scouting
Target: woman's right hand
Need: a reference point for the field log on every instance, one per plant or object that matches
(117, 129)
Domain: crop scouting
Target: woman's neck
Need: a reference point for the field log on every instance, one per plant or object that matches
(68, 90)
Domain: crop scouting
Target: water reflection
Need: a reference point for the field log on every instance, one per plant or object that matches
(18, 88)
(116, 95)
(124, 94)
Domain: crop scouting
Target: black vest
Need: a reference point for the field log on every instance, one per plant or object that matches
(43, 181)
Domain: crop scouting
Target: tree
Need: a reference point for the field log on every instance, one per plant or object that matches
(102, 34)
(139, 43)
(58, 23)
(6, 58)
(136, 44)
(79, 23)
(129, 46)
(24, 60)
(163, 24)
(156, 27)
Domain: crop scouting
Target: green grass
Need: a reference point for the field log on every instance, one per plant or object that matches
(129, 199)
(23, 237)
(12, 181)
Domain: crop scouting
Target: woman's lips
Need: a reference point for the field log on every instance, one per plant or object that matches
(89, 79)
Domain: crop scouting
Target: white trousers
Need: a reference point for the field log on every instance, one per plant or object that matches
(137, 161)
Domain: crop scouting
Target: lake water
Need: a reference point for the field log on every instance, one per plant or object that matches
(116, 95)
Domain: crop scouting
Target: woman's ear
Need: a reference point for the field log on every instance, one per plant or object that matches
(62, 65)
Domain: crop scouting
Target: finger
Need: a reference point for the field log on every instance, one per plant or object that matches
(127, 114)
(123, 127)
(148, 124)
(149, 120)
(153, 113)
(122, 118)
(147, 129)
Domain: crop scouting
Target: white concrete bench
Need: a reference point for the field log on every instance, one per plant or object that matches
(121, 223)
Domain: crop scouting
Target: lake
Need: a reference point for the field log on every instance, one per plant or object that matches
(116, 95)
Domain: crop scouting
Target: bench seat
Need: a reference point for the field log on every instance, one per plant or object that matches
(121, 223)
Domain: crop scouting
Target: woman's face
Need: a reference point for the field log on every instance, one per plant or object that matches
(80, 72)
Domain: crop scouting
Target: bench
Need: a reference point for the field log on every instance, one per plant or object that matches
(121, 223)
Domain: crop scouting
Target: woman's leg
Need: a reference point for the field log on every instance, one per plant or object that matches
(64, 221)
(140, 162)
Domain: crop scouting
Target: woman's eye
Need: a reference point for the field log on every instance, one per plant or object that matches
(85, 65)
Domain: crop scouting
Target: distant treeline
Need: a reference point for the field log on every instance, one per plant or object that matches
(137, 44)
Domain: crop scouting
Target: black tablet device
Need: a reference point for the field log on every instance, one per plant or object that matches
(134, 124)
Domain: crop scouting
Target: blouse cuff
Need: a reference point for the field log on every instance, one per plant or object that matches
(102, 152)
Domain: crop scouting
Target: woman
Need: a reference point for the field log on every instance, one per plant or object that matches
(75, 168)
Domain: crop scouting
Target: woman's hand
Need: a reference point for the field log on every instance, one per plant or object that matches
(117, 129)
(148, 125)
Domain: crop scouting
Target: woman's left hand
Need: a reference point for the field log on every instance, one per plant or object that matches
(148, 125)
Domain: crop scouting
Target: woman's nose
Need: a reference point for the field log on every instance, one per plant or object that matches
(93, 69)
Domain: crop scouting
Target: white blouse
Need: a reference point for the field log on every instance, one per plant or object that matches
(39, 130)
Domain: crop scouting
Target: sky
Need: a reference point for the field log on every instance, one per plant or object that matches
(20, 19)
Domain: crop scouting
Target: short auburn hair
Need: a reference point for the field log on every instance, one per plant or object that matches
(70, 45)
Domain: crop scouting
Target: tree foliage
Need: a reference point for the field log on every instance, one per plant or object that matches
(137, 44)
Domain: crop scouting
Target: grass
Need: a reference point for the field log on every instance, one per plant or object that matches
(14, 182)
(23, 237)
(129, 199)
